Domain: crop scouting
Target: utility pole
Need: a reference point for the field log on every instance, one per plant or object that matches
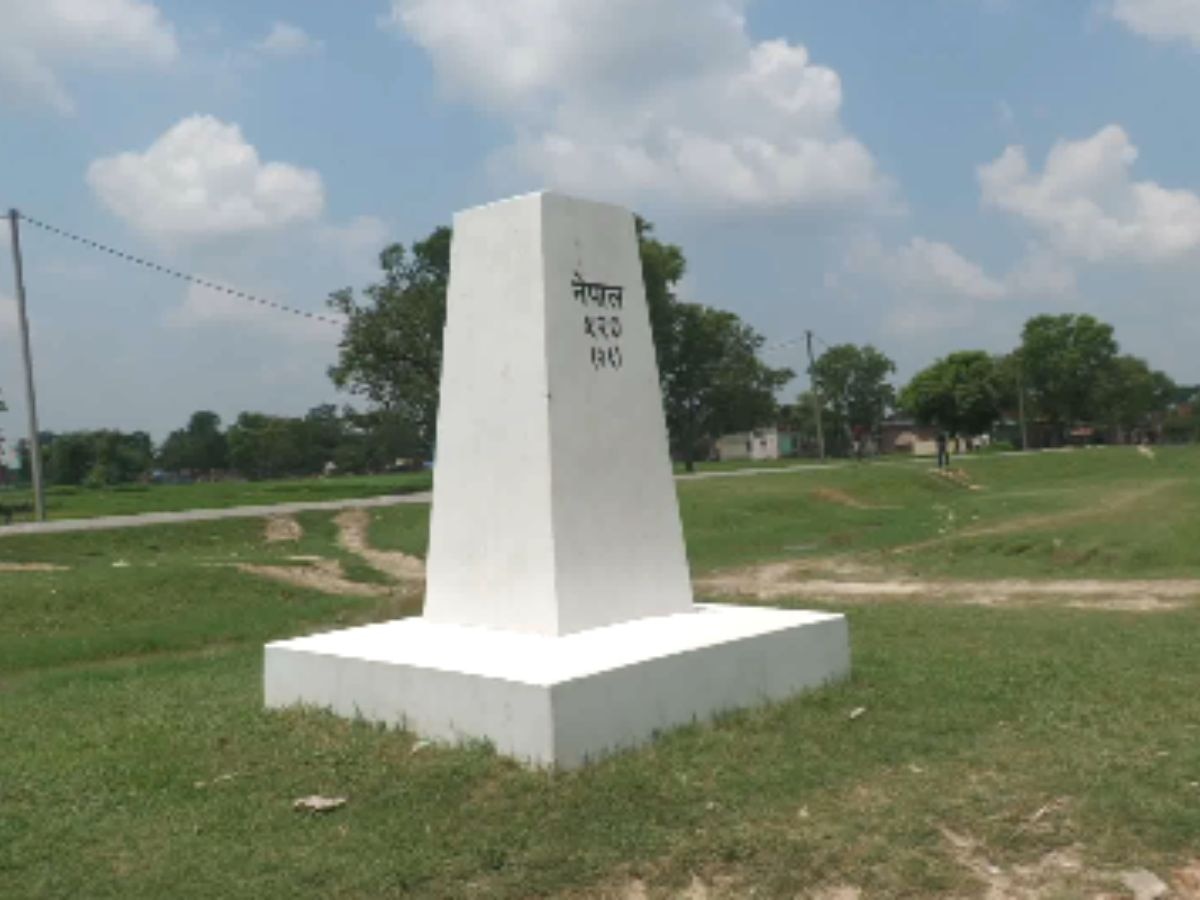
(816, 399)
(1021, 402)
(35, 444)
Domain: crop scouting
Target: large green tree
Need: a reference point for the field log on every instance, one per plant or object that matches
(391, 349)
(1066, 361)
(853, 384)
(713, 381)
(961, 393)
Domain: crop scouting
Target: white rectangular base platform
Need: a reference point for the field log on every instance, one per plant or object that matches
(560, 701)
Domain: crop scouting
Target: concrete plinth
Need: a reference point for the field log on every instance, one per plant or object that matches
(560, 700)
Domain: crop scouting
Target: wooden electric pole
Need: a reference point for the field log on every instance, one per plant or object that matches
(35, 444)
(816, 397)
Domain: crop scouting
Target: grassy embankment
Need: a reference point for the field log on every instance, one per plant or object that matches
(137, 760)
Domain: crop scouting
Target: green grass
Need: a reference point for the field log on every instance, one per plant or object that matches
(81, 502)
(138, 762)
(1102, 513)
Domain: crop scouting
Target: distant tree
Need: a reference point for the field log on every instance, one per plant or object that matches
(1066, 363)
(1130, 394)
(71, 456)
(200, 447)
(118, 458)
(715, 382)
(324, 432)
(262, 446)
(961, 393)
(374, 441)
(91, 458)
(391, 349)
(852, 382)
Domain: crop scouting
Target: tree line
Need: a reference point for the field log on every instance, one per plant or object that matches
(255, 446)
(1066, 371)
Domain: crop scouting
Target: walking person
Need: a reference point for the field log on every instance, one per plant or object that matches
(943, 452)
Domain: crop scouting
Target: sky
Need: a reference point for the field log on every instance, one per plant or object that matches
(923, 176)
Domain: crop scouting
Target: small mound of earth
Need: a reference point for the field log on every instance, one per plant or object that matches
(959, 477)
(283, 530)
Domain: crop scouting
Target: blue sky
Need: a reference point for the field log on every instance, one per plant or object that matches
(922, 175)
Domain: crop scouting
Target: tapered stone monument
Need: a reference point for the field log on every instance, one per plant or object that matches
(559, 621)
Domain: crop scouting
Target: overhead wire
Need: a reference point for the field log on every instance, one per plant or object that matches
(176, 273)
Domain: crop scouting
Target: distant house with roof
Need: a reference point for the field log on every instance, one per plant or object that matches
(759, 444)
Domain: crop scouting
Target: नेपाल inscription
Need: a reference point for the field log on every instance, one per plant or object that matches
(602, 304)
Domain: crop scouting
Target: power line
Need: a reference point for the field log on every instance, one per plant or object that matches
(793, 341)
(176, 273)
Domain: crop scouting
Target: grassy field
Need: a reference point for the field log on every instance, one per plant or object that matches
(1023, 746)
(86, 503)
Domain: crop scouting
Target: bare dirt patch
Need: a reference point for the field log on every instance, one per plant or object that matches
(1186, 881)
(31, 567)
(282, 530)
(1059, 873)
(845, 581)
(353, 527)
(325, 575)
(841, 498)
(720, 888)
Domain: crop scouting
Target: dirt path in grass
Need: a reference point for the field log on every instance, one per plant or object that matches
(1110, 506)
(847, 582)
(353, 528)
(319, 573)
(31, 567)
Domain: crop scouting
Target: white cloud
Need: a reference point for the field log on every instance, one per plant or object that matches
(929, 287)
(649, 97)
(205, 307)
(1161, 20)
(285, 39)
(356, 244)
(202, 179)
(1042, 274)
(925, 267)
(1085, 203)
(40, 38)
(8, 315)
